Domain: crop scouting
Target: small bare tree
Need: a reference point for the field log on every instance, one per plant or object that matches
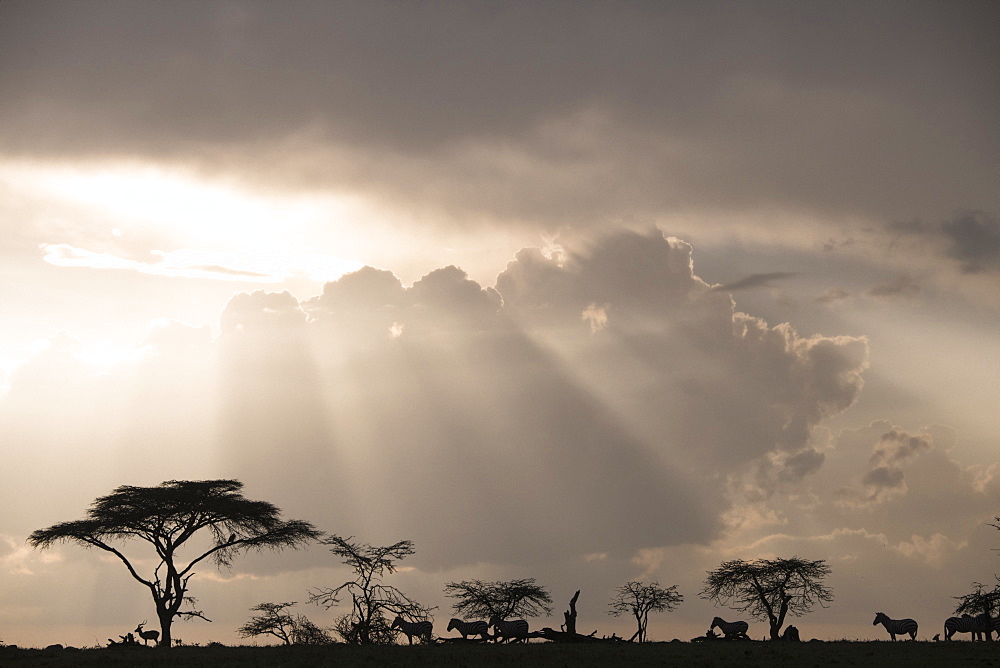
(769, 589)
(371, 600)
(639, 600)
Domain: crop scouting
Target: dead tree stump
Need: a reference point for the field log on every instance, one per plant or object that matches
(570, 614)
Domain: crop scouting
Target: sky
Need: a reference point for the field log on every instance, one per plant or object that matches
(586, 292)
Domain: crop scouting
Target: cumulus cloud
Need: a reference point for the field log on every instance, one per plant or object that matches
(501, 400)
(597, 316)
(436, 405)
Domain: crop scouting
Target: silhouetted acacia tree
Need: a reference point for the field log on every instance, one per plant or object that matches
(273, 621)
(371, 600)
(980, 601)
(516, 598)
(276, 621)
(769, 589)
(639, 600)
(167, 517)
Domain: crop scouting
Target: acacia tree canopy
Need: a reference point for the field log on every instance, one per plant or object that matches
(476, 599)
(639, 600)
(276, 621)
(769, 589)
(273, 620)
(980, 601)
(168, 516)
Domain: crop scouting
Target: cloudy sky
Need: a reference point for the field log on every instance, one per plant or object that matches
(585, 292)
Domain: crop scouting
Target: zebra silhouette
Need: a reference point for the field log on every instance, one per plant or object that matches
(896, 627)
(514, 630)
(730, 629)
(467, 629)
(978, 626)
(421, 629)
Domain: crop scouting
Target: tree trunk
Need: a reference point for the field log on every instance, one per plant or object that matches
(166, 619)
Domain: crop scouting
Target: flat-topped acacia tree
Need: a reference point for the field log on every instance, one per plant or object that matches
(769, 589)
(503, 599)
(168, 516)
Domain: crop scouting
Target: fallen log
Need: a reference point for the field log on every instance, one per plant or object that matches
(463, 641)
(564, 636)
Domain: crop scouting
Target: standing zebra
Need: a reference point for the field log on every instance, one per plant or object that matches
(730, 629)
(467, 629)
(896, 627)
(977, 626)
(420, 629)
(516, 629)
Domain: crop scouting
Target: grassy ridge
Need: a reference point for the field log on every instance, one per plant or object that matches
(721, 654)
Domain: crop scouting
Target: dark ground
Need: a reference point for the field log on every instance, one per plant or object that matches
(721, 654)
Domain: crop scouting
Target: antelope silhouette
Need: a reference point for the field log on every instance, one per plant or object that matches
(147, 635)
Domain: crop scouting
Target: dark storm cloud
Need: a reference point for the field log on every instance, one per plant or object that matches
(975, 241)
(549, 112)
(970, 238)
(802, 464)
(897, 446)
(893, 452)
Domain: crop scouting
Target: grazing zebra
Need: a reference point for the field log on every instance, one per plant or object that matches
(896, 627)
(516, 629)
(420, 629)
(730, 629)
(977, 626)
(467, 629)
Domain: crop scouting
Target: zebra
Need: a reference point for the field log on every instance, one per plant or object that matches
(467, 629)
(977, 626)
(896, 627)
(730, 629)
(420, 629)
(516, 629)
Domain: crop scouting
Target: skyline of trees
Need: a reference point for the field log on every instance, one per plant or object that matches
(168, 515)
